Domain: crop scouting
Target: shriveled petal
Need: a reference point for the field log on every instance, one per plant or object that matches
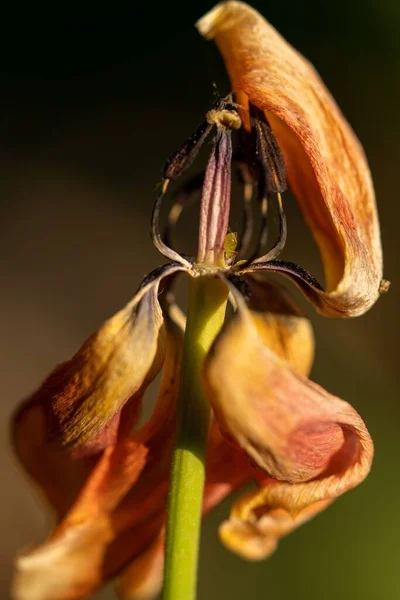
(255, 525)
(326, 166)
(84, 396)
(70, 563)
(308, 446)
(118, 512)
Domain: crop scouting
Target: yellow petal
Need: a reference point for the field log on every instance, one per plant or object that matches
(281, 324)
(326, 166)
(308, 446)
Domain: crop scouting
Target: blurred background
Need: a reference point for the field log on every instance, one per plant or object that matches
(91, 105)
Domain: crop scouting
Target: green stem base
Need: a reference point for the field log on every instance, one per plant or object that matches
(206, 314)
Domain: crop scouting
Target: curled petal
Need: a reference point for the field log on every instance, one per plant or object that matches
(308, 446)
(326, 166)
(118, 512)
(84, 396)
(255, 526)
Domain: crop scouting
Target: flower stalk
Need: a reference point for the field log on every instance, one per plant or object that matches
(206, 314)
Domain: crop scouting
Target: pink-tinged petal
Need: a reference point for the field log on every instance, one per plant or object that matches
(227, 469)
(120, 509)
(308, 447)
(326, 166)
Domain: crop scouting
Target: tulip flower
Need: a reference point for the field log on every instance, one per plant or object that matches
(235, 404)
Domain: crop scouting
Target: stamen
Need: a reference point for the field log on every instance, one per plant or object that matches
(269, 155)
(185, 196)
(155, 230)
(270, 167)
(281, 241)
(226, 118)
(222, 113)
(246, 233)
(263, 234)
(183, 158)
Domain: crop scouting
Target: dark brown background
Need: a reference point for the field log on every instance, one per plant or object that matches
(90, 107)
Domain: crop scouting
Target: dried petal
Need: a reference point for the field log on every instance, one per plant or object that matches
(119, 510)
(308, 446)
(326, 166)
(84, 396)
(143, 578)
(227, 469)
(70, 564)
(281, 324)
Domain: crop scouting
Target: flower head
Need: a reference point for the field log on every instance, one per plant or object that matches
(77, 436)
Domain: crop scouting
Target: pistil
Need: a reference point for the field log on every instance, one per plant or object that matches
(216, 195)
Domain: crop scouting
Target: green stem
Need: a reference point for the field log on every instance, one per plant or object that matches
(207, 305)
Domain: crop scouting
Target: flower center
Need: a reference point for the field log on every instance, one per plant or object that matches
(260, 166)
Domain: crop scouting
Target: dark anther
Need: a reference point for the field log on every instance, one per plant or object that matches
(183, 158)
(272, 176)
(223, 113)
(266, 166)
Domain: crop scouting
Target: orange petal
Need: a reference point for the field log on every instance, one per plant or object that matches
(326, 166)
(311, 446)
(70, 563)
(143, 578)
(118, 512)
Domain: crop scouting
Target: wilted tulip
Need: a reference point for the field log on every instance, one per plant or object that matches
(107, 479)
